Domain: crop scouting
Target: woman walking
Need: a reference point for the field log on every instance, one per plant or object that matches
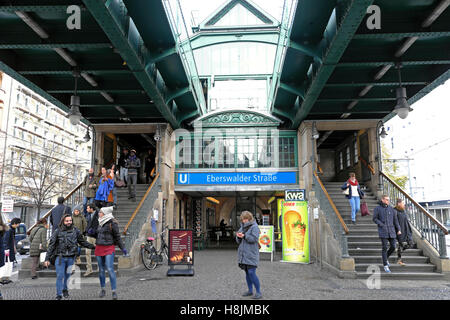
(108, 236)
(354, 194)
(38, 244)
(248, 252)
(405, 239)
(63, 246)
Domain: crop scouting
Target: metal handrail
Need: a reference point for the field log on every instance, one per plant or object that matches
(422, 209)
(372, 170)
(336, 211)
(140, 203)
(428, 226)
(50, 211)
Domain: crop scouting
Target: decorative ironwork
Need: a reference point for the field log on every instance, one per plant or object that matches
(238, 118)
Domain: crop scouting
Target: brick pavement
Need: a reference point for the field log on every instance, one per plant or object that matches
(217, 277)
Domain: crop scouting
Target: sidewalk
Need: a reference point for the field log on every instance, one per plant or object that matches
(217, 277)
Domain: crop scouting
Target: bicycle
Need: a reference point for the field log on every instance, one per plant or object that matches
(152, 257)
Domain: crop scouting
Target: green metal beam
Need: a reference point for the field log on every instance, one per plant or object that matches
(184, 116)
(68, 45)
(161, 56)
(38, 8)
(352, 16)
(113, 19)
(359, 99)
(70, 72)
(384, 63)
(401, 35)
(112, 105)
(306, 49)
(375, 84)
(95, 91)
(177, 94)
(294, 90)
(205, 39)
(282, 113)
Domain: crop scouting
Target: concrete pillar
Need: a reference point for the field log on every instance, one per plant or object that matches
(305, 145)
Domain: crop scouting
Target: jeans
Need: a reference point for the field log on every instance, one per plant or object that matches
(124, 174)
(252, 279)
(132, 180)
(385, 253)
(354, 203)
(87, 201)
(63, 266)
(107, 262)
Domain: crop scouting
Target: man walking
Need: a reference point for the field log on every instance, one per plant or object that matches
(133, 164)
(58, 212)
(388, 229)
(92, 225)
(90, 187)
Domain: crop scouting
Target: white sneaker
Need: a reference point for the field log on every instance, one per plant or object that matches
(386, 269)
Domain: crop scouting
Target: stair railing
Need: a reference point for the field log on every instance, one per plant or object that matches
(74, 198)
(429, 228)
(334, 218)
(139, 216)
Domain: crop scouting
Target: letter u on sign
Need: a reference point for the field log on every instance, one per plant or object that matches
(182, 178)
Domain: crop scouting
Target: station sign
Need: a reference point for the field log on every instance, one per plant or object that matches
(236, 178)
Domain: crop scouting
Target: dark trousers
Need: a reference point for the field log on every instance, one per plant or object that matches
(132, 181)
(385, 253)
(34, 265)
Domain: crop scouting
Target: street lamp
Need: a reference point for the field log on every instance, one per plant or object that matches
(402, 108)
(74, 113)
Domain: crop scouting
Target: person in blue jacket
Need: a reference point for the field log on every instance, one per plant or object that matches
(105, 186)
(354, 196)
(388, 228)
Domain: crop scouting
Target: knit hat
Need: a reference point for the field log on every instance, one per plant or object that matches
(107, 210)
(78, 207)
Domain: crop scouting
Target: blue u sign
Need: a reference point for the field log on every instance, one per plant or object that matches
(231, 178)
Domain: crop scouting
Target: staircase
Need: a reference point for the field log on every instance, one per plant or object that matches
(122, 214)
(364, 244)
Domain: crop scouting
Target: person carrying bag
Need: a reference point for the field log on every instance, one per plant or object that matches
(38, 245)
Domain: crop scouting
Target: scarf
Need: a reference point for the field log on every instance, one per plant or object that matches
(353, 183)
(105, 219)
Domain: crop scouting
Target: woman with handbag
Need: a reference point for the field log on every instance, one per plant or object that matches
(248, 252)
(38, 245)
(353, 193)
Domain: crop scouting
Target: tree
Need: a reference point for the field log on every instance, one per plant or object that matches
(39, 174)
(391, 168)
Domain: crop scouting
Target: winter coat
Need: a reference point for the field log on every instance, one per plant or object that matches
(38, 237)
(109, 235)
(79, 221)
(386, 219)
(133, 164)
(9, 243)
(105, 187)
(350, 195)
(92, 224)
(405, 226)
(248, 251)
(90, 180)
(57, 214)
(64, 242)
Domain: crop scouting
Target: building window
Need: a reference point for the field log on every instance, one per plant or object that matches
(341, 161)
(347, 154)
(355, 149)
(286, 153)
(246, 152)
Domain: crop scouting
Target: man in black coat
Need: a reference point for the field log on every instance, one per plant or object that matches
(9, 242)
(58, 212)
(91, 229)
(388, 228)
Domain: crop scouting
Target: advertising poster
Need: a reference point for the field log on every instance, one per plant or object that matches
(266, 239)
(181, 247)
(279, 212)
(295, 231)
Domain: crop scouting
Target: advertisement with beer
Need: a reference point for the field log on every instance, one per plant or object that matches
(295, 231)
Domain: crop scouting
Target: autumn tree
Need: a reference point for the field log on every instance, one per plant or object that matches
(391, 168)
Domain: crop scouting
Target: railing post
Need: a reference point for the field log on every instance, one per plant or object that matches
(344, 245)
(442, 245)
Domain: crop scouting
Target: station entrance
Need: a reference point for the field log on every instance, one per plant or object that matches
(215, 215)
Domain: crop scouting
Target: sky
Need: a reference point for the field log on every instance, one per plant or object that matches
(424, 136)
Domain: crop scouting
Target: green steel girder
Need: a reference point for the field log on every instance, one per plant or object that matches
(292, 89)
(161, 56)
(384, 63)
(375, 84)
(205, 39)
(112, 105)
(125, 37)
(309, 50)
(186, 115)
(402, 35)
(359, 99)
(97, 91)
(70, 72)
(282, 113)
(37, 8)
(352, 16)
(68, 45)
(177, 94)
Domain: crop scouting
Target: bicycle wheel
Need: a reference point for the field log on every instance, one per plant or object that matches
(147, 259)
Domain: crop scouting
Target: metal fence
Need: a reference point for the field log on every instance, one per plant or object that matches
(140, 217)
(429, 227)
(332, 215)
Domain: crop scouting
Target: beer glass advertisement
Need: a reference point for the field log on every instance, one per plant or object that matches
(295, 231)
(181, 247)
(266, 238)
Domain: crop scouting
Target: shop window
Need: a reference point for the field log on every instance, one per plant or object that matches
(355, 150)
(347, 155)
(341, 161)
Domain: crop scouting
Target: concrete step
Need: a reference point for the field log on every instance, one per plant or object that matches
(377, 252)
(361, 238)
(419, 267)
(403, 275)
(48, 273)
(364, 245)
(376, 259)
(355, 232)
